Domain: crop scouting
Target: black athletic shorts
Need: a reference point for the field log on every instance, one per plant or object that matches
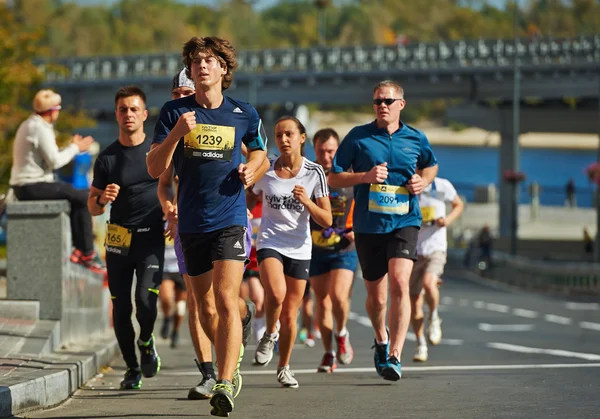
(291, 267)
(201, 250)
(177, 278)
(375, 250)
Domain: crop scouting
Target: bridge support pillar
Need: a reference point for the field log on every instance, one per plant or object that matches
(509, 166)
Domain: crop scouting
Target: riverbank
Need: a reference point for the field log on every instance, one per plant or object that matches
(468, 137)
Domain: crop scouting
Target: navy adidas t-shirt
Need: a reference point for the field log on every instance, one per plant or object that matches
(211, 195)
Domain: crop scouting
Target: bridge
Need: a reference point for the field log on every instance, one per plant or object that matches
(476, 70)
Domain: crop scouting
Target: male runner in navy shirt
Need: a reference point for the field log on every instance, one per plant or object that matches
(203, 135)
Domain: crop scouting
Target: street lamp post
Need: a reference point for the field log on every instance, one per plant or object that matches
(597, 244)
(322, 5)
(514, 227)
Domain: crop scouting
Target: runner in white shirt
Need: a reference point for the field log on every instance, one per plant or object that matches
(431, 250)
(284, 243)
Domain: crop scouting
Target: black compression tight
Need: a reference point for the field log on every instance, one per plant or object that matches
(147, 263)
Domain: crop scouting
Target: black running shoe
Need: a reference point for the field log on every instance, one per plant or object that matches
(164, 330)
(174, 339)
(247, 322)
(150, 361)
(132, 379)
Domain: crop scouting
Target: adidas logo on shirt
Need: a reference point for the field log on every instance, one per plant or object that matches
(237, 110)
(237, 245)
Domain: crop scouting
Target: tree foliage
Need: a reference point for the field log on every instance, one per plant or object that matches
(20, 79)
(145, 26)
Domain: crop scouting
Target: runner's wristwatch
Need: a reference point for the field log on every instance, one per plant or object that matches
(98, 201)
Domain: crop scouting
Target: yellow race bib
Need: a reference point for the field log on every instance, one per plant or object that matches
(118, 239)
(320, 241)
(213, 142)
(428, 214)
(388, 199)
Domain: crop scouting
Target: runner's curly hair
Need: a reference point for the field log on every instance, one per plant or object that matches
(219, 48)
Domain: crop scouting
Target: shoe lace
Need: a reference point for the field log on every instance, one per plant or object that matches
(381, 351)
(268, 342)
(285, 374)
(130, 373)
(394, 357)
(223, 386)
(393, 360)
(342, 343)
(328, 359)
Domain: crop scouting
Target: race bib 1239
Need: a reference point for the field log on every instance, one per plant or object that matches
(213, 142)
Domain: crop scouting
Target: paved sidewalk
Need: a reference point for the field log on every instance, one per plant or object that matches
(35, 373)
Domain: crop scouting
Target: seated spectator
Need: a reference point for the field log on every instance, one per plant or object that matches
(35, 158)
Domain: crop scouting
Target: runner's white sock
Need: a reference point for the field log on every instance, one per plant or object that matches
(343, 332)
(421, 340)
(434, 313)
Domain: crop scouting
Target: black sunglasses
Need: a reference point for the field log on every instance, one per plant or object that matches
(387, 101)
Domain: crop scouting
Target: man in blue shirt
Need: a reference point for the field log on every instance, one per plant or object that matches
(203, 135)
(384, 157)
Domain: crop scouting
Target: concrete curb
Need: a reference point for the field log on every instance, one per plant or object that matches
(58, 385)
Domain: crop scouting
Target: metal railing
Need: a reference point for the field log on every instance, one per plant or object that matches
(564, 277)
(445, 55)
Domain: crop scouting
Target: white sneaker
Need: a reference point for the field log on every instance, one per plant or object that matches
(434, 330)
(310, 342)
(286, 377)
(265, 348)
(421, 354)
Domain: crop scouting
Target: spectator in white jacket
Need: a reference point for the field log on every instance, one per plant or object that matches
(35, 158)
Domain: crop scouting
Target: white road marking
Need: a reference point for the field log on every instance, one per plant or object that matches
(365, 321)
(521, 312)
(590, 325)
(554, 352)
(500, 308)
(478, 304)
(405, 369)
(553, 318)
(447, 300)
(486, 327)
(582, 306)
(410, 336)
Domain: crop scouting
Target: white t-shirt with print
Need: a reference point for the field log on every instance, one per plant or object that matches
(285, 221)
(433, 199)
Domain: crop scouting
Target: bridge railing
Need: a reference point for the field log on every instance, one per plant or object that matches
(442, 55)
(562, 277)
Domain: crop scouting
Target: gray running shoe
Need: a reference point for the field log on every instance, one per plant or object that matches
(204, 390)
(265, 348)
(286, 377)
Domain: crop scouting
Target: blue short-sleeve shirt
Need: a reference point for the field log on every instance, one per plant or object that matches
(405, 151)
(211, 195)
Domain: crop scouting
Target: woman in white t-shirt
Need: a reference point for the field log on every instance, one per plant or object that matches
(283, 242)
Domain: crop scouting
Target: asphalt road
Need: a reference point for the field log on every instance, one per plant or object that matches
(505, 354)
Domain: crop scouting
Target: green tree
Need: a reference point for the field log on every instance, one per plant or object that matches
(20, 79)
